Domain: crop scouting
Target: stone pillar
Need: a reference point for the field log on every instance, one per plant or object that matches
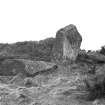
(67, 44)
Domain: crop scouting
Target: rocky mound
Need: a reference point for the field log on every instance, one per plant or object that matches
(54, 71)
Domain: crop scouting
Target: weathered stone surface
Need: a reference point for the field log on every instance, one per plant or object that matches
(27, 67)
(68, 41)
(34, 67)
(37, 50)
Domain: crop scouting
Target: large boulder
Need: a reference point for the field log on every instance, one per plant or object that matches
(33, 68)
(67, 44)
(11, 67)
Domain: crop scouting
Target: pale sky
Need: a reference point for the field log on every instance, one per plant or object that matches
(25, 20)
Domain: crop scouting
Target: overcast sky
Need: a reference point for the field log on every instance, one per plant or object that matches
(22, 20)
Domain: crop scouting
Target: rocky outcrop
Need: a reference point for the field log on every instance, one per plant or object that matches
(54, 71)
(33, 50)
(67, 45)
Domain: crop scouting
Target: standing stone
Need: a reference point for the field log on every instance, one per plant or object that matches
(67, 44)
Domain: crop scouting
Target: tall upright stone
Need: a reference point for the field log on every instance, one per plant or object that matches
(67, 44)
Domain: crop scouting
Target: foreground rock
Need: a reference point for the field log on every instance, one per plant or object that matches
(58, 90)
